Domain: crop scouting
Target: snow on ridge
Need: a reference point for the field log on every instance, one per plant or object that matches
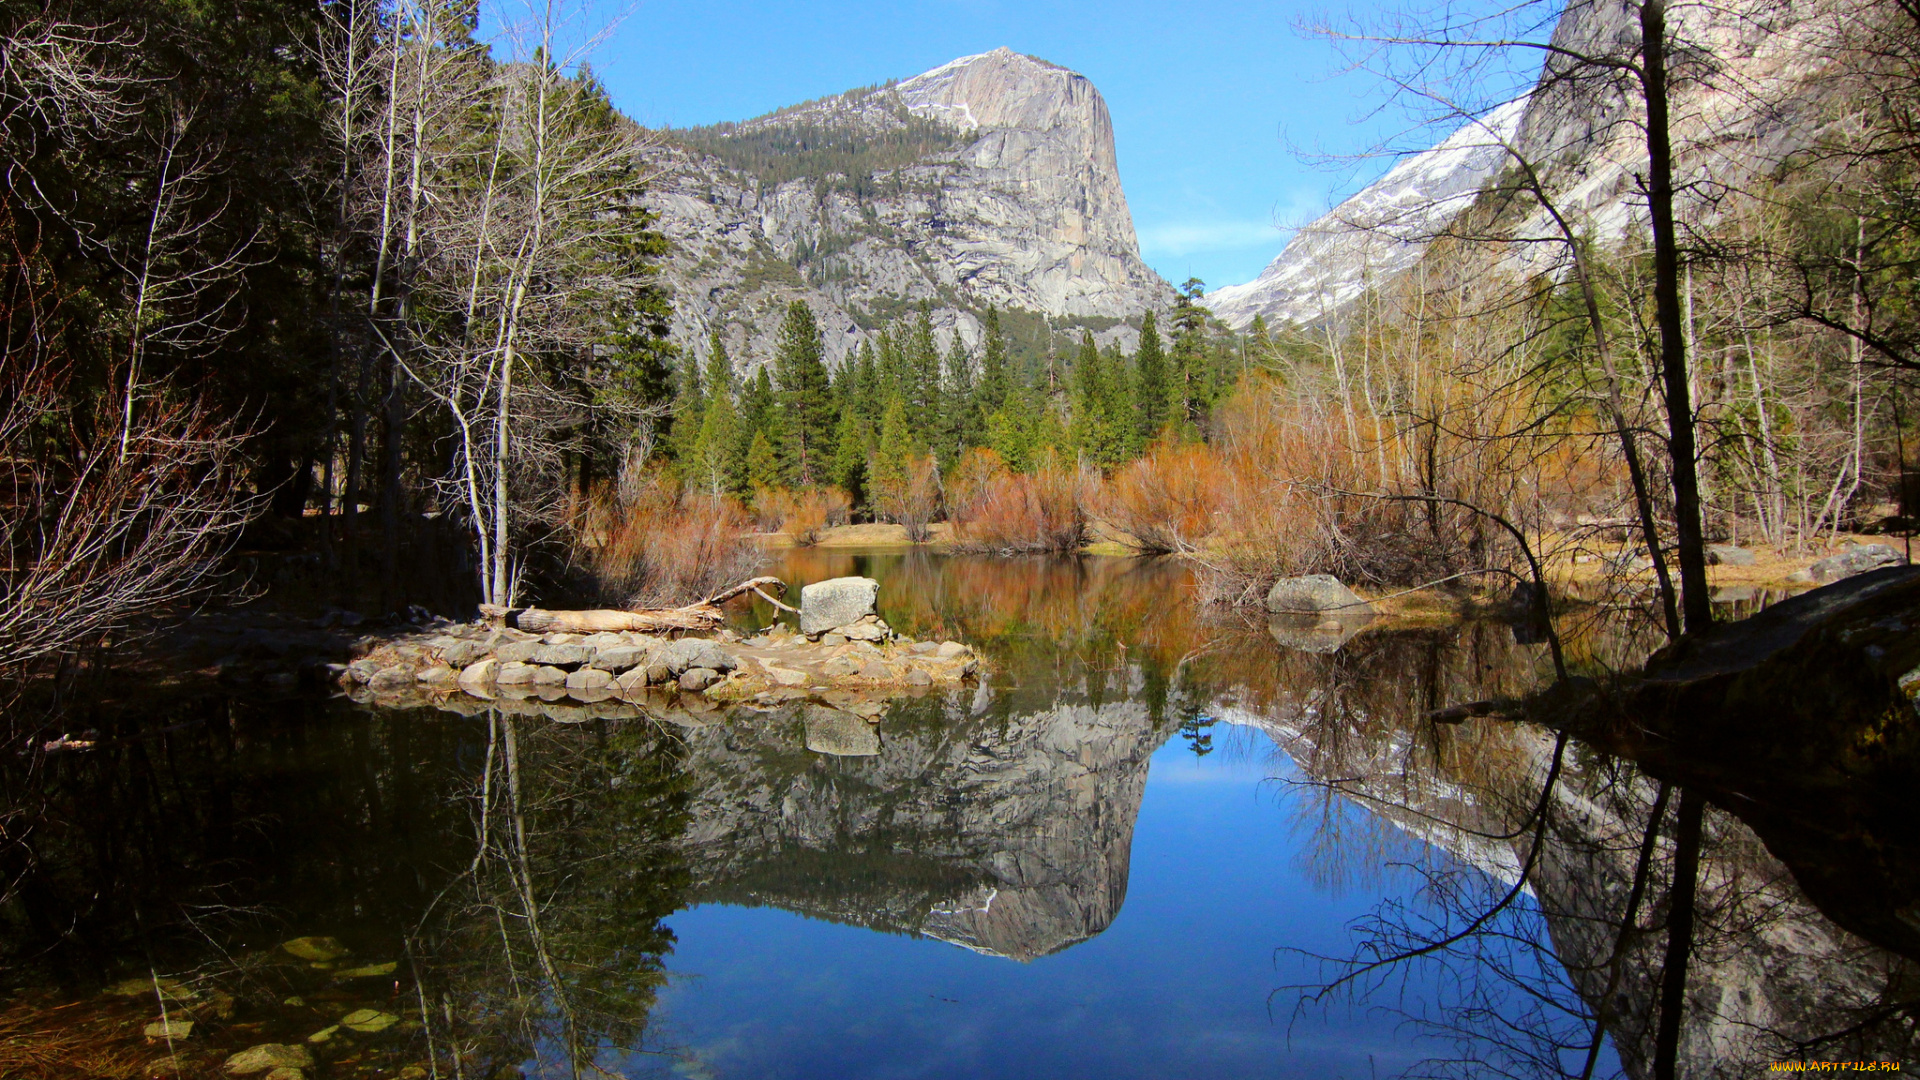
(1378, 232)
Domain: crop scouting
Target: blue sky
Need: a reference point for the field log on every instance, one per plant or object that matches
(1209, 99)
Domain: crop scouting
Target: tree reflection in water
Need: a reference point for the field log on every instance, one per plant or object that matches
(1545, 899)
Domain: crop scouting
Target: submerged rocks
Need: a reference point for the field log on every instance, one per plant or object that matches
(829, 605)
(1315, 593)
(259, 1059)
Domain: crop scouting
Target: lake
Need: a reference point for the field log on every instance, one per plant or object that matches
(1151, 841)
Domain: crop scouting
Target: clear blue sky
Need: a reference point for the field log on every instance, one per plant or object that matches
(1206, 97)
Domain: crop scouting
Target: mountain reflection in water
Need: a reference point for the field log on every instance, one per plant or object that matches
(1162, 845)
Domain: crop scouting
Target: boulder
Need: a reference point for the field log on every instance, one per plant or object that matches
(437, 675)
(392, 678)
(688, 653)
(632, 680)
(923, 648)
(1315, 593)
(516, 652)
(549, 676)
(830, 605)
(476, 677)
(589, 679)
(258, 1059)
(619, 657)
(605, 640)
(949, 650)
(1856, 560)
(566, 655)
(1728, 555)
(459, 654)
(658, 673)
(515, 673)
(699, 678)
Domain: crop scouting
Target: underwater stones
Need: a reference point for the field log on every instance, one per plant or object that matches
(699, 678)
(1315, 593)
(286, 1072)
(169, 1030)
(368, 971)
(259, 1059)
(839, 733)
(838, 602)
(368, 1021)
(475, 677)
(314, 949)
(325, 1034)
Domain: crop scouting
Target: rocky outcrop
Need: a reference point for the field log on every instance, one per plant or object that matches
(1759, 100)
(1016, 202)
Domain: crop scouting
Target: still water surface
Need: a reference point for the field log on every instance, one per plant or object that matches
(1132, 851)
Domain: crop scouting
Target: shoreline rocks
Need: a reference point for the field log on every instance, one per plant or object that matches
(1315, 594)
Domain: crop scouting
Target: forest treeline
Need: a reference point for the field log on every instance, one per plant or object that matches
(342, 265)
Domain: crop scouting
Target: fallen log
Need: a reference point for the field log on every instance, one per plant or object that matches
(702, 615)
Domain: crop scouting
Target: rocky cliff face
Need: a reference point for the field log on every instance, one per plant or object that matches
(1747, 92)
(990, 180)
(1005, 835)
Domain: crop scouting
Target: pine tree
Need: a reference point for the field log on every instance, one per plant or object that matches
(764, 471)
(1189, 373)
(1012, 429)
(991, 391)
(961, 423)
(716, 465)
(689, 409)
(921, 392)
(1150, 385)
(1096, 430)
(805, 393)
(762, 416)
(853, 445)
(895, 452)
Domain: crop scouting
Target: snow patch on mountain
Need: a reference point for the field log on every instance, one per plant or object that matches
(1377, 233)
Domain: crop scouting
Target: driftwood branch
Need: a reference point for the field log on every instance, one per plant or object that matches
(704, 615)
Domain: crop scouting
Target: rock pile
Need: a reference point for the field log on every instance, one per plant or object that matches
(844, 645)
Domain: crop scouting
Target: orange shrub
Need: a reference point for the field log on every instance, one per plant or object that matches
(913, 498)
(1165, 501)
(656, 544)
(1041, 511)
(802, 515)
